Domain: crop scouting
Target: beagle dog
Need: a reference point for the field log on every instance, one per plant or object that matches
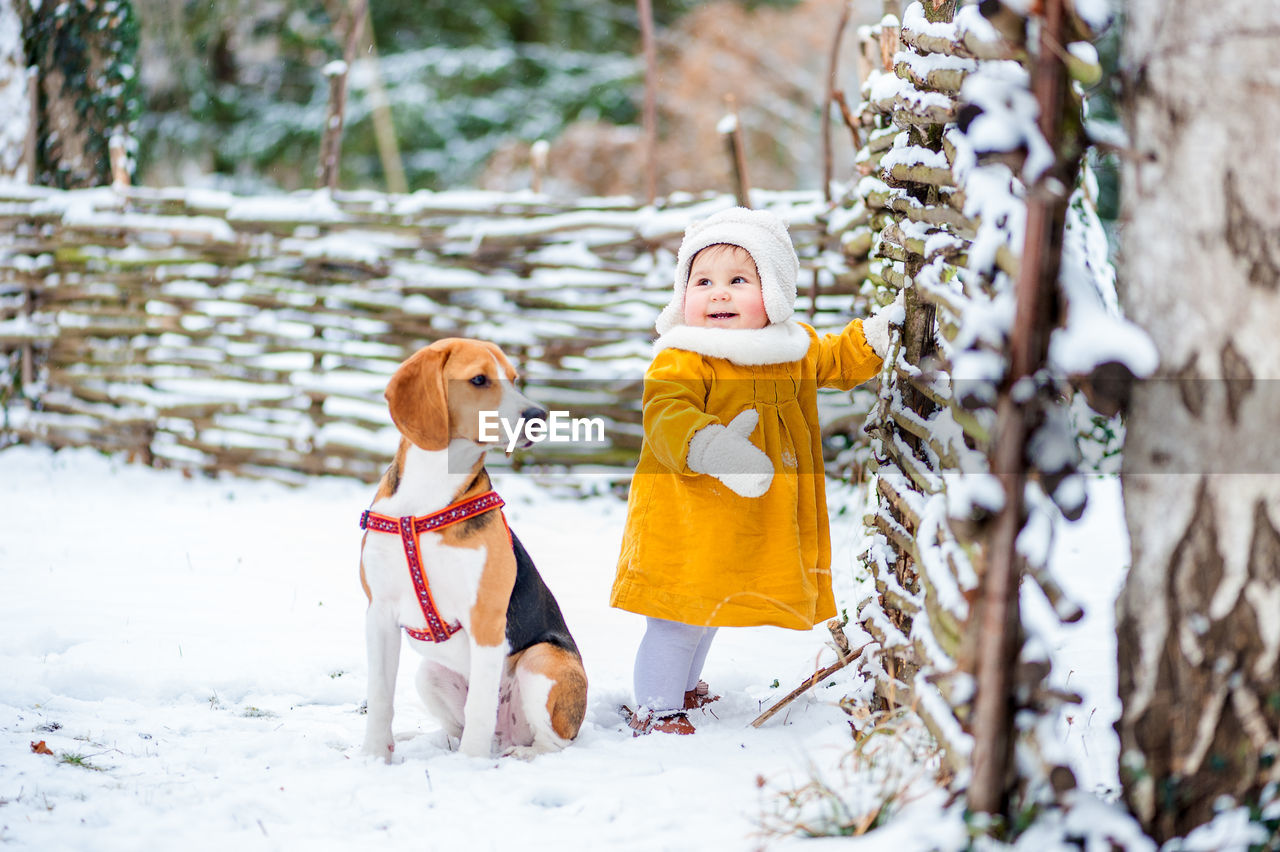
(498, 664)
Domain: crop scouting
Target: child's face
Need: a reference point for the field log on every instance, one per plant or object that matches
(724, 290)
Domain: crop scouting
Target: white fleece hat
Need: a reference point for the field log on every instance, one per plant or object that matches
(764, 236)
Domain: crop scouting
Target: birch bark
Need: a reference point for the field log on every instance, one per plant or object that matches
(1198, 624)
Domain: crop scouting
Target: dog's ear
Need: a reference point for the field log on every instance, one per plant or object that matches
(416, 398)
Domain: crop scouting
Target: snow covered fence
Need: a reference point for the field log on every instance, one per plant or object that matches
(950, 144)
(913, 214)
(207, 331)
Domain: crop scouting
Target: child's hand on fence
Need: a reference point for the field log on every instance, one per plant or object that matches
(726, 452)
(876, 327)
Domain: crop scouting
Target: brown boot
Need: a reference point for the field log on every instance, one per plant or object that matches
(637, 722)
(676, 723)
(645, 722)
(699, 696)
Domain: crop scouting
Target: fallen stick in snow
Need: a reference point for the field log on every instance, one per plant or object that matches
(846, 657)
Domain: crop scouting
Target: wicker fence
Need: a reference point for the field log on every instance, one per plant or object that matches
(255, 335)
(943, 222)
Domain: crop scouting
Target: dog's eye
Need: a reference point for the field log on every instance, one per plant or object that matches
(480, 380)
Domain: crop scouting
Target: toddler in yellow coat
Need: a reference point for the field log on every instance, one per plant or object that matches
(727, 514)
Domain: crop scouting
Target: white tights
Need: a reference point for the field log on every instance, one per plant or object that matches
(669, 662)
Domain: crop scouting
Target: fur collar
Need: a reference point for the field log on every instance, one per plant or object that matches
(779, 343)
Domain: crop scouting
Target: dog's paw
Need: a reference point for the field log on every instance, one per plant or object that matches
(546, 745)
(384, 749)
(522, 752)
(473, 746)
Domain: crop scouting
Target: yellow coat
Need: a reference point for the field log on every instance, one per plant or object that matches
(693, 551)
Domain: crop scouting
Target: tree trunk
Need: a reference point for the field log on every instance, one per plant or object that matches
(86, 60)
(13, 94)
(1199, 617)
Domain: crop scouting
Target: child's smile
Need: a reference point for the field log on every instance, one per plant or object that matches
(724, 290)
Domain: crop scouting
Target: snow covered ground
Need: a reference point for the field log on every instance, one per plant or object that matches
(191, 652)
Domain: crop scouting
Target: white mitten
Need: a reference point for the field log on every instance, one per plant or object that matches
(726, 452)
(876, 327)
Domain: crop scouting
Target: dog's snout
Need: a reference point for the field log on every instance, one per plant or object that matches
(533, 412)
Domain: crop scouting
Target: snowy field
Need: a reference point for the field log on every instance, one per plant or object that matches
(191, 652)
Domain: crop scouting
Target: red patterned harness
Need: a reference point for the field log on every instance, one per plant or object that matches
(409, 529)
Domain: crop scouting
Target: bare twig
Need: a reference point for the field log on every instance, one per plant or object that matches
(737, 153)
(30, 154)
(847, 114)
(538, 164)
(817, 677)
(833, 64)
(119, 162)
(331, 142)
(645, 10)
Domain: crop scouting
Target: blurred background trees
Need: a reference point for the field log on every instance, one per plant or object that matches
(234, 89)
(231, 93)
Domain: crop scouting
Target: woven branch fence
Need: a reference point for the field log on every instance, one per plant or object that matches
(909, 195)
(211, 332)
(940, 220)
